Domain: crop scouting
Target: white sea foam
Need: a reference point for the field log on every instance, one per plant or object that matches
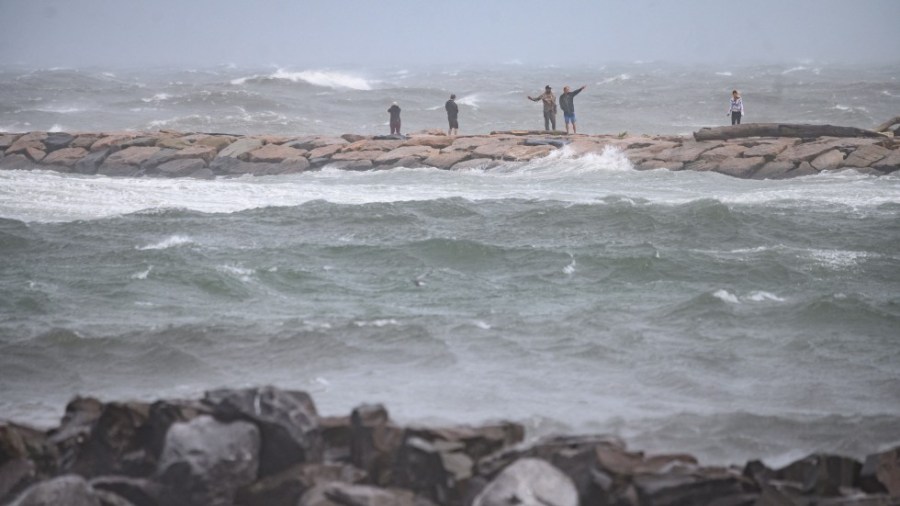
(142, 274)
(242, 273)
(761, 296)
(56, 127)
(384, 322)
(324, 78)
(726, 296)
(618, 78)
(159, 97)
(169, 242)
(469, 100)
(724, 74)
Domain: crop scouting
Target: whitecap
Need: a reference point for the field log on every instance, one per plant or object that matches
(761, 296)
(159, 97)
(56, 128)
(142, 274)
(620, 77)
(482, 325)
(469, 100)
(724, 73)
(169, 242)
(241, 273)
(383, 322)
(726, 296)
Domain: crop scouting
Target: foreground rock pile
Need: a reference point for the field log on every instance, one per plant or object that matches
(264, 446)
(793, 151)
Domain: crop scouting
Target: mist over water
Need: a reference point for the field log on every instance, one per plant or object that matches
(683, 311)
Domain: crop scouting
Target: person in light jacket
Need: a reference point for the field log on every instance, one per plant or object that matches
(549, 101)
(735, 108)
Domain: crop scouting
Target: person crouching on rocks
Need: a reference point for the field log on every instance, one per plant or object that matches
(549, 101)
(736, 108)
(567, 104)
(394, 111)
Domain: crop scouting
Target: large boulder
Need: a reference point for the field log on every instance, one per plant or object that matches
(346, 494)
(524, 153)
(287, 420)
(137, 491)
(273, 153)
(419, 152)
(866, 156)
(113, 443)
(822, 474)
(65, 157)
(769, 149)
(288, 486)
(314, 142)
(741, 167)
(325, 151)
(91, 162)
(180, 168)
(240, 148)
(881, 473)
(829, 160)
(7, 140)
(58, 140)
(432, 141)
(67, 490)
(113, 141)
(33, 140)
(375, 442)
(889, 163)
(133, 156)
(446, 160)
(687, 152)
(205, 461)
(529, 482)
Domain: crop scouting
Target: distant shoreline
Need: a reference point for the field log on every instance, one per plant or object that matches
(748, 151)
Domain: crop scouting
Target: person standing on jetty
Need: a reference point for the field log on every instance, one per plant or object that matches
(736, 108)
(567, 104)
(549, 100)
(452, 115)
(394, 111)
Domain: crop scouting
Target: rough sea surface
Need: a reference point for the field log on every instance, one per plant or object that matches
(684, 311)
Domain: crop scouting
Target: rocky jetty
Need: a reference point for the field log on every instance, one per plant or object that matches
(270, 447)
(758, 151)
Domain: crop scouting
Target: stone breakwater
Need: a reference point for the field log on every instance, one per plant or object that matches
(745, 151)
(265, 446)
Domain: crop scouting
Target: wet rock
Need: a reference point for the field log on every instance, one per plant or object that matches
(345, 494)
(672, 489)
(175, 143)
(84, 141)
(829, 160)
(351, 165)
(702, 165)
(240, 148)
(204, 173)
(821, 474)
(181, 168)
(7, 140)
(889, 163)
(476, 163)
(419, 152)
(774, 170)
(34, 154)
(741, 167)
(804, 169)
(881, 473)
(529, 482)
(325, 151)
(141, 142)
(445, 160)
(467, 143)
(137, 491)
(356, 155)
(91, 162)
(68, 490)
(659, 164)
(353, 137)
(527, 153)
(287, 421)
(205, 461)
(133, 156)
(495, 150)
(432, 141)
(110, 141)
(288, 486)
(15, 474)
(292, 165)
(227, 165)
(866, 156)
(65, 157)
(217, 142)
(273, 153)
(375, 443)
(770, 149)
(374, 144)
(723, 153)
(687, 152)
(314, 142)
(58, 140)
(32, 140)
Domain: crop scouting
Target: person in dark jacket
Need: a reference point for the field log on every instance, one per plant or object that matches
(394, 111)
(452, 115)
(567, 104)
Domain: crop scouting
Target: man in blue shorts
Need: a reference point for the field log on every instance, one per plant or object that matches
(567, 104)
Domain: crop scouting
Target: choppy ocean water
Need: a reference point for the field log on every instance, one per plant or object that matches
(682, 311)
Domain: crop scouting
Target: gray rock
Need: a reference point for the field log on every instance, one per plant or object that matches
(400, 153)
(137, 491)
(181, 168)
(529, 482)
(671, 489)
(741, 167)
(204, 173)
(345, 494)
(889, 163)
(804, 169)
(829, 160)
(769, 150)
(67, 490)
(775, 170)
(287, 420)
(866, 156)
(16, 162)
(374, 442)
(446, 160)
(822, 474)
(881, 473)
(314, 142)
(65, 157)
(90, 163)
(162, 156)
(204, 461)
(358, 165)
(658, 164)
(477, 163)
(687, 152)
(240, 147)
(292, 165)
(7, 140)
(58, 140)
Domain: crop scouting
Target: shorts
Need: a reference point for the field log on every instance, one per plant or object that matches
(570, 118)
(453, 122)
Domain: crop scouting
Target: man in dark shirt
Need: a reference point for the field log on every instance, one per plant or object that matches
(394, 111)
(567, 104)
(452, 115)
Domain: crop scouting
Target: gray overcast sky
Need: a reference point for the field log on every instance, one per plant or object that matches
(303, 33)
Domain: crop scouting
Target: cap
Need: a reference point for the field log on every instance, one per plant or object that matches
(548, 87)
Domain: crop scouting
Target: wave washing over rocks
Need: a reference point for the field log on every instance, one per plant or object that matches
(270, 447)
(759, 151)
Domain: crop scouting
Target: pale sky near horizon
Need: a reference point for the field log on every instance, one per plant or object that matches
(300, 33)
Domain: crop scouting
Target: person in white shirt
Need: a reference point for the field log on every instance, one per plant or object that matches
(736, 108)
